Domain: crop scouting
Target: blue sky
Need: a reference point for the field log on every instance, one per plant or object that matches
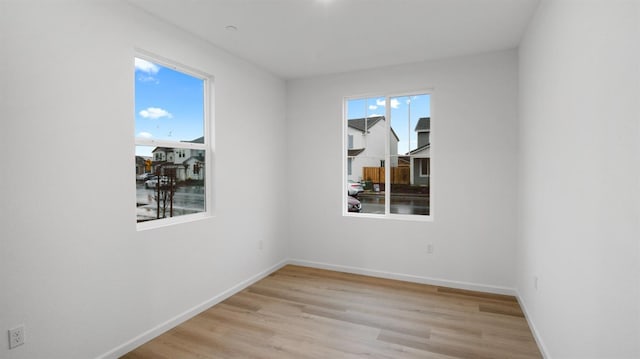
(169, 105)
(405, 113)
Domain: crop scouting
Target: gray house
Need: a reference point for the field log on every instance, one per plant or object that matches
(420, 158)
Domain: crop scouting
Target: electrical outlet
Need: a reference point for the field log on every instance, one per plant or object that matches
(535, 282)
(16, 337)
(430, 248)
(260, 244)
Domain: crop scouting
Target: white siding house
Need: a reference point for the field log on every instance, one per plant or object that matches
(189, 163)
(366, 145)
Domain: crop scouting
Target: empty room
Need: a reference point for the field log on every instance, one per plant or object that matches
(320, 179)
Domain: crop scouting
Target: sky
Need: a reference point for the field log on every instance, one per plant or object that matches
(405, 113)
(169, 105)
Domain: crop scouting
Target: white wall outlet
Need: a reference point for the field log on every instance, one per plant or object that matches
(430, 248)
(16, 337)
(535, 282)
(260, 244)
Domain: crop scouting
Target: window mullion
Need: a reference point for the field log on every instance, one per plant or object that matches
(387, 170)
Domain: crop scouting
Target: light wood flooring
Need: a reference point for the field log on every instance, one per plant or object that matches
(300, 312)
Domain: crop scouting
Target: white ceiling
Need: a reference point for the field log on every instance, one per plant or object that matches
(300, 38)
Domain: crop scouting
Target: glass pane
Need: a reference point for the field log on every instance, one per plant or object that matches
(169, 182)
(169, 104)
(366, 135)
(407, 197)
(400, 111)
(366, 183)
(410, 164)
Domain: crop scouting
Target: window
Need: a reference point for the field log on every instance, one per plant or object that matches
(424, 167)
(172, 142)
(388, 151)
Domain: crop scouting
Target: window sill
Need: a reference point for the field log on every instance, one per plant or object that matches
(165, 222)
(399, 217)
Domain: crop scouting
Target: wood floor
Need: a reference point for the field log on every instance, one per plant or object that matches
(300, 312)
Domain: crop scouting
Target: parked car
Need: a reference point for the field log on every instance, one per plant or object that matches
(145, 176)
(354, 188)
(353, 205)
(153, 181)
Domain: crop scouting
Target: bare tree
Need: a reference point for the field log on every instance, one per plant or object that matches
(165, 191)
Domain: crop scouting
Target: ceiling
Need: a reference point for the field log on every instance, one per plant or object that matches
(302, 38)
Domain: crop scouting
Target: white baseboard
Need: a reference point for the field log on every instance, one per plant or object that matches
(190, 313)
(407, 277)
(532, 326)
(180, 318)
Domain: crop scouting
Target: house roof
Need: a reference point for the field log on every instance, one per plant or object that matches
(395, 134)
(419, 149)
(424, 124)
(197, 140)
(354, 152)
(360, 123)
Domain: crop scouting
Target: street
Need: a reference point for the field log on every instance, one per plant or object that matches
(190, 199)
(400, 204)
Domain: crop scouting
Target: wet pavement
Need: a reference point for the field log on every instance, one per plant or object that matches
(186, 200)
(190, 199)
(400, 204)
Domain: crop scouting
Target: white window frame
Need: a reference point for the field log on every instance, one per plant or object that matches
(206, 146)
(387, 199)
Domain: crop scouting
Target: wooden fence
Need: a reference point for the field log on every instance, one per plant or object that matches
(399, 175)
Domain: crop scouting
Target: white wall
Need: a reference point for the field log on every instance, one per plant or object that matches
(71, 260)
(473, 166)
(73, 268)
(579, 178)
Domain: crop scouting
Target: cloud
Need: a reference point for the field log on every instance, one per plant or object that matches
(372, 107)
(155, 113)
(380, 102)
(143, 78)
(145, 135)
(374, 115)
(146, 66)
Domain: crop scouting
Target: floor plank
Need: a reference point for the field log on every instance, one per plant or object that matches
(301, 312)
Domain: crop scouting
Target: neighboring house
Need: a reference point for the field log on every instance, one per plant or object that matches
(141, 165)
(194, 168)
(366, 146)
(420, 158)
(188, 163)
(161, 155)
